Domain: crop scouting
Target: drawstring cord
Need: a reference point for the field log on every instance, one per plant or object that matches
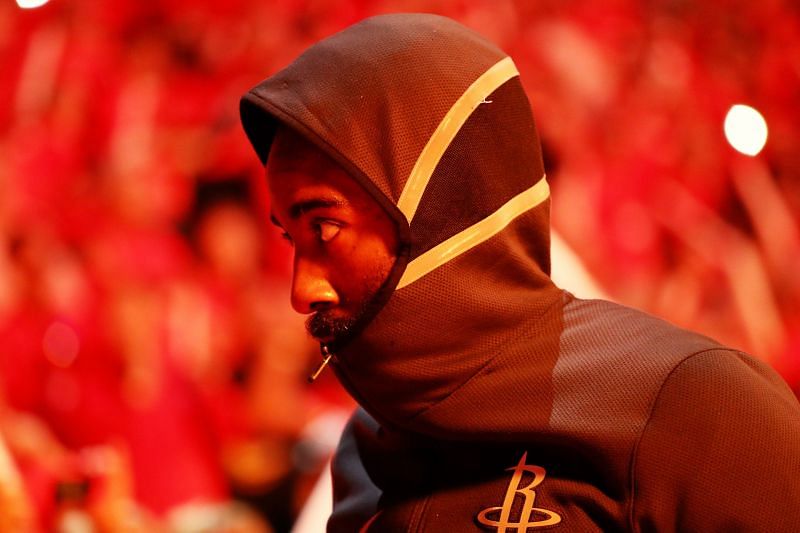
(326, 357)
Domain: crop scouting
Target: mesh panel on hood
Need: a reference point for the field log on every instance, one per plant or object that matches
(486, 164)
(372, 95)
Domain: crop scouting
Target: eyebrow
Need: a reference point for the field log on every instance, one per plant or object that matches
(299, 208)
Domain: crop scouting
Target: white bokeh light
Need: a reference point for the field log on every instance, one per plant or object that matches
(30, 4)
(745, 129)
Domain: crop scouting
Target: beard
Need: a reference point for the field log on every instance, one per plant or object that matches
(326, 326)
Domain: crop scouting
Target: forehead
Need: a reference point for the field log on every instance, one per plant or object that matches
(297, 169)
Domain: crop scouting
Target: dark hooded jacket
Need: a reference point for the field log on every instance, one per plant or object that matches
(490, 398)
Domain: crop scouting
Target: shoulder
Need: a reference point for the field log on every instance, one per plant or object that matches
(612, 362)
(628, 327)
(722, 438)
(724, 370)
(726, 382)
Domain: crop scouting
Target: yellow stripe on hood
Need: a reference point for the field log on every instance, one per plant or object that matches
(448, 128)
(475, 234)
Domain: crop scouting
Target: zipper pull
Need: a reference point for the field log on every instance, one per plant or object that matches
(326, 357)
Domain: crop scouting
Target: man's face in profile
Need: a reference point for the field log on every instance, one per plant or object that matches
(344, 243)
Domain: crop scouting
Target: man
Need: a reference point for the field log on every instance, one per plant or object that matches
(405, 167)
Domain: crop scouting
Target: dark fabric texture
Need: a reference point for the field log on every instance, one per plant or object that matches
(735, 458)
(486, 164)
(482, 370)
(372, 95)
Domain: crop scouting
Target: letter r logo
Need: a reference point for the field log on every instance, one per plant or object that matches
(528, 512)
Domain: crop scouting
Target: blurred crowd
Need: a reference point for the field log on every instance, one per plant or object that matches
(152, 374)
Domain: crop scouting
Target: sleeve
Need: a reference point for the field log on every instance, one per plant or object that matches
(721, 450)
(355, 496)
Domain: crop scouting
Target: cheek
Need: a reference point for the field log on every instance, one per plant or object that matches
(373, 253)
(360, 269)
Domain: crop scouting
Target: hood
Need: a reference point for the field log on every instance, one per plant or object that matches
(432, 120)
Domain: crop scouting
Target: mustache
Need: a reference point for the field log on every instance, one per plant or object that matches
(323, 325)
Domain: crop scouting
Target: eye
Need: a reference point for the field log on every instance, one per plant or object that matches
(326, 230)
(285, 236)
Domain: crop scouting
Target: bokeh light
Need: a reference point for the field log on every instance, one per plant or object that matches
(745, 129)
(60, 344)
(30, 4)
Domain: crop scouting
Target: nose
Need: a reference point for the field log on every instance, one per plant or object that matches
(311, 290)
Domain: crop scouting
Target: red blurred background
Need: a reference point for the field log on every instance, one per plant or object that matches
(151, 371)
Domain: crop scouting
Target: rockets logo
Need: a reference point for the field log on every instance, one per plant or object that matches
(499, 518)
